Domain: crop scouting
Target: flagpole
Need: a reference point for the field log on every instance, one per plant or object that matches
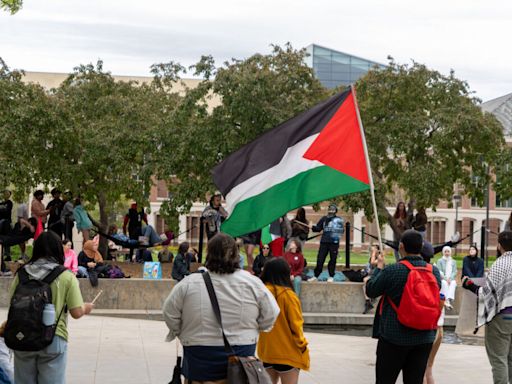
(370, 176)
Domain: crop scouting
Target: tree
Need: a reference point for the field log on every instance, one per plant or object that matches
(12, 6)
(425, 132)
(25, 114)
(105, 142)
(247, 97)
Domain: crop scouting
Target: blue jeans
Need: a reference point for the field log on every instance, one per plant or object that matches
(82, 272)
(47, 366)
(296, 285)
(150, 233)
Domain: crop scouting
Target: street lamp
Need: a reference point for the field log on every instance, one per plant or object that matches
(456, 201)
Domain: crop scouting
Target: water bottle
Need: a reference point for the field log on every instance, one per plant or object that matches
(49, 315)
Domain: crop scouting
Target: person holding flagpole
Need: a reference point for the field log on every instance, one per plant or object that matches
(332, 229)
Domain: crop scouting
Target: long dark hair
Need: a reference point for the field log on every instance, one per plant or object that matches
(399, 214)
(48, 246)
(277, 272)
(301, 215)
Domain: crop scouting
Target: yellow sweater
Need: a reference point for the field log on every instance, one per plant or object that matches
(286, 343)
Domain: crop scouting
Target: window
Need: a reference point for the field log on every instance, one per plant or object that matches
(503, 203)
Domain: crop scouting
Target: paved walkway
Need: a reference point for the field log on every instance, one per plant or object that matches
(105, 350)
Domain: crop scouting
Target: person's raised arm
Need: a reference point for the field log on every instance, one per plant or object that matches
(319, 226)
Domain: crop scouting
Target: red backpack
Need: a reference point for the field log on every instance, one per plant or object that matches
(419, 307)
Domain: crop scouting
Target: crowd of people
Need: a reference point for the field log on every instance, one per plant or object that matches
(260, 305)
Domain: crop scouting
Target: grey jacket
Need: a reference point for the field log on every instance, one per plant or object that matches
(246, 305)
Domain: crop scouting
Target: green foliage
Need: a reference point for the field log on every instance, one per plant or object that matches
(425, 132)
(247, 97)
(12, 6)
(25, 114)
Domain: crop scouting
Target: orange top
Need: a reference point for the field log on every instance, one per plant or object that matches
(286, 343)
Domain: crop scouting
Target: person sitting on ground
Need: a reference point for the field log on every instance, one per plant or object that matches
(284, 350)
(165, 255)
(70, 257)
(472, 265)
(295, 260)
(143, 255)
(83, 223)
(494, 300)
(260, 260)
(332, 227)
(448, 269)
(372, 263)
(48, 366)
(247, 308)
(181, 265)
(400, 348)
(90, 261)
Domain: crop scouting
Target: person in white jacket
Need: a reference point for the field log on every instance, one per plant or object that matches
(448, 269)
(246, 306)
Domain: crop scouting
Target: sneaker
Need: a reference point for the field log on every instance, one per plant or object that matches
(330, 280)
(311, 279)
(367, 307)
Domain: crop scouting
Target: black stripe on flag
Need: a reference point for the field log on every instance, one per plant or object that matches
(268, 150)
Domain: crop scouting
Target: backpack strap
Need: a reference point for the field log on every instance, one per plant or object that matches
(23, 275)
(409, 265)
(54, 274)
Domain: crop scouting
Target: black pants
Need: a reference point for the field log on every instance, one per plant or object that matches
(332, 250)
(392, 358)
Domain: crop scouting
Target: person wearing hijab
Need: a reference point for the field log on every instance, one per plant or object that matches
(91, 260)
(448, 269)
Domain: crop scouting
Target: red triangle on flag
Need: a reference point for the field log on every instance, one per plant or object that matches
(340, 145)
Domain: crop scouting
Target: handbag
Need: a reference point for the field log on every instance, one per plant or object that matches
(241, 370)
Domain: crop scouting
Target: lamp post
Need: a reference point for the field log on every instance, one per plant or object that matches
(456, 201)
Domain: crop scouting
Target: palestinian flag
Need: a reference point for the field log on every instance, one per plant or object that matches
(312, 157)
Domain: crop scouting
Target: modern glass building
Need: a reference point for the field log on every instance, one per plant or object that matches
(334, 68)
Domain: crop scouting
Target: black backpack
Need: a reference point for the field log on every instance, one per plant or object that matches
(25, 330)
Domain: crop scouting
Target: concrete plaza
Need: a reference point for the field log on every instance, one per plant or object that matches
(105, 350)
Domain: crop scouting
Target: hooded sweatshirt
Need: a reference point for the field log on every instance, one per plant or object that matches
(286, 343)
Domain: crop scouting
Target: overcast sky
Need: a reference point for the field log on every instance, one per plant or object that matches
(470, 36)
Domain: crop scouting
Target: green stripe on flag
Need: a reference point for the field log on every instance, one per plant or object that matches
(309, 187)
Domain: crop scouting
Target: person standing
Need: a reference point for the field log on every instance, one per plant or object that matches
(83, 223)
(332, 227)
(247, 309)
(133, 221)
(55, 208)
(250, 241)
(21, 218)
(402, 347)
(295, 260)
(48, 366)
(37, 208)
(284, 350)
(494, 299)
(213, 215)
(300, 227)
(6, 220)
(66, 217)
(472, 265)
(401, 222)
(420, 222)
(448, 268)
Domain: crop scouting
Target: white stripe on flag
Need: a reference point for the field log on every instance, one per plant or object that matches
(290, 165)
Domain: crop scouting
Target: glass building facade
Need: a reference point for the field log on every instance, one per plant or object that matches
(334, 68)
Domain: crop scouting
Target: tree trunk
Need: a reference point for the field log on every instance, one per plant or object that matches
(102, 202)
